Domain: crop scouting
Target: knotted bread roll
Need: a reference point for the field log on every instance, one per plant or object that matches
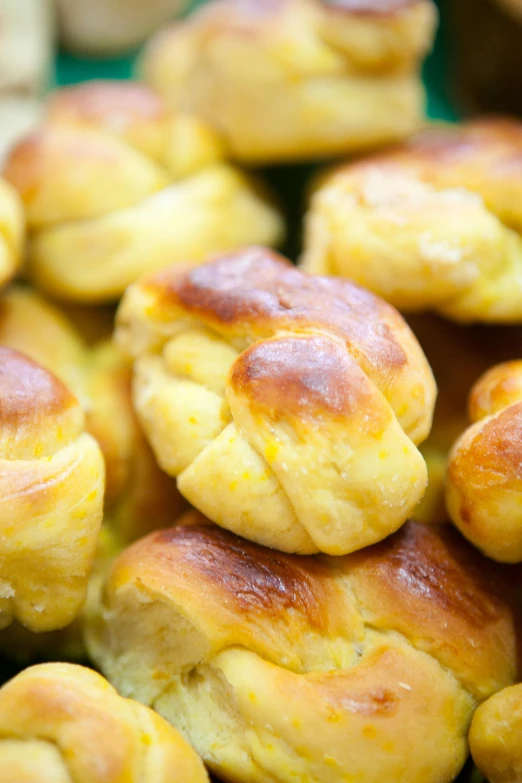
(51, 497)
(277, 667)
(12, 232)
(61, 723)
(114, 185)
(496, 736)
(458, 355)
(484, 482)
(297, 79)
(434, 224)
(139, 496)
(287, 405)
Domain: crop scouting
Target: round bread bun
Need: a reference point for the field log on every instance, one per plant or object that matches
(61, 723)
(434, 224)
(287, 405)
(496, 736)
(484, 480)
(297, 79)
(281, 667)
(122, 186)
(51, 497)
(12, 232)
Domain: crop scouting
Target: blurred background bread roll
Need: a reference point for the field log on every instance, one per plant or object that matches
(52, 482)
(27, 35)
(115, 180)
(484, 483)
(434, 224)
(496, 736)
(296, 79)
(104, 27)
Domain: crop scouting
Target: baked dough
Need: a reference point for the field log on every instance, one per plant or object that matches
(434, 224)
(115, 186)
(287, 405)
(61, 723)
(139, 496)
(297, 79)
(280, 668)
(51, 497)
(484, 481)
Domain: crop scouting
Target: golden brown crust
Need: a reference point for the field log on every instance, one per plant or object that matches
(96, 735)
(251, 580)
(484, 481)
(29, 392)
(302, 377)
(424, 582)
(257, 292)
(296, 654)
(426, 578)
(305, 387)
(51, 497)
(115, 103)
(495, 390)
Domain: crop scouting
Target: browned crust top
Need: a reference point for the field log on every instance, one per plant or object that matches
(372, 7)
(258, 290)
(305, 376)
(28, 391)
(253, 578)
(434, 568)
(497, 448)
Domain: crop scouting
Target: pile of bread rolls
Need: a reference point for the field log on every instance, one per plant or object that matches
(277, 505)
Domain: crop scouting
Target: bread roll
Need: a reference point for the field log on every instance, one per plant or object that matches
(12, 232)
(139, 496)
(287, 406)
(277, 667)
(484, 482)
(118, 183)
(61, 723)
(297, 79)
(434, 224)
(458, 355)
(496, 736)
(51, 497)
